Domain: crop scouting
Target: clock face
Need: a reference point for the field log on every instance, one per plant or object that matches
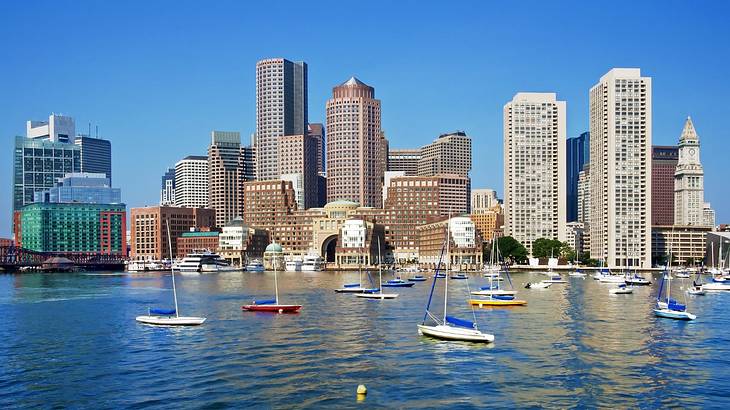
(691, 152)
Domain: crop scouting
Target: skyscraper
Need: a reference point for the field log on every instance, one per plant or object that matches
(663, 165)
(483, 200)
(225, 176)
(534, 168)
(317, 132)
(281, 109)
(578, 154)
(96, 155)
(620, 177)
(249, 163)
(58, 128)
(191, 182)
(167, 189)
(405, 160)
(298, 156)
(449, 154)
(689, 193)
(354, 150)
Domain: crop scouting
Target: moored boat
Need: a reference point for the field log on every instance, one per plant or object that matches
(272, 305)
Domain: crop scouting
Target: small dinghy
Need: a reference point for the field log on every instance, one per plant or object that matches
(397, 283)
(622, 289)
(537, 285)
(497, 300)
(417, 278)
(459, 275)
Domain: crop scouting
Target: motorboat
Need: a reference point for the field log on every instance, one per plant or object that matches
(537, 285)
(254, 265)
(621, 289)
(293, 265)
(637, 280)
(202, 261)
(312, 262)
(145, 265)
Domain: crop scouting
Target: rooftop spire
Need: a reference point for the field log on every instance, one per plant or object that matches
(688, 132)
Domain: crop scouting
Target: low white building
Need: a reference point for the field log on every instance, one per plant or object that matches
(354, 233)
(297, 181)
(463, 231)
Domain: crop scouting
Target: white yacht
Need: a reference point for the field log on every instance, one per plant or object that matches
(293, 265)
(255, 265)
(203, 261)
(145, 266)
(312, 263)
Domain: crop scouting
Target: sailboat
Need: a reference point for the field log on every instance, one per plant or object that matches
(272, 305)
(450, 327)
(624, 288)
(670, 308)
(396, 282)
(169, 317)
(378, 294)
(356, 287)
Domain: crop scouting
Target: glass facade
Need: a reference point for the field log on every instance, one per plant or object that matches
(78, 228)
(82, 188)
(38, 164)
(578, 155)
(96, 155)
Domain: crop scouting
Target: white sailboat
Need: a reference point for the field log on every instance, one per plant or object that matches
(449, 327)
(379, 294)
(670, 308)
(169, 317)
(356, 287)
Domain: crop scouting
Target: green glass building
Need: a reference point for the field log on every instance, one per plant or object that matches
(73, 227)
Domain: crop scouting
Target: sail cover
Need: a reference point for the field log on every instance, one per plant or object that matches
(162, 311)
(460, 322)
(264, 302)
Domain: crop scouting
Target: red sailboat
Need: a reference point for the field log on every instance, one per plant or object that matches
(272, 305)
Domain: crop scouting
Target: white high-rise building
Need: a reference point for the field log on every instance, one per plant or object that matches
(191, 182)
(483, 200)
(534, 168)
(58, 128)
(620, 173)
(281, 109)
(689, 192)
(708, 215)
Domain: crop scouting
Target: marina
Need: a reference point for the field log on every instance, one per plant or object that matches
(75, 333)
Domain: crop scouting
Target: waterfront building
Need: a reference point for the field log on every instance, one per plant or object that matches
(489, 222)
(483, 200)
(72, 228)
(225, 176)
(5, 242)
(317, 132)
(167, 190)
(297, 183)
(354, 146)
(358, 241)
(717, 249)
(281, 109)
(267, 203)
(298, 156)
(689, 179)
(148, 238)
(42, 157)
(238, 242)
(708, 215)
(387, 177)
(620, 179)
(574, 236)
(577, 155)
(663, 166)
(448, 154)
(686, 244)
(96, 155)
(81, 187)
(196, 240)
(465, 244)
(404, 160)
(191, 182)
(534, 168)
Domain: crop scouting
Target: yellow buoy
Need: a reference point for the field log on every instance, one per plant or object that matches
(361, 389)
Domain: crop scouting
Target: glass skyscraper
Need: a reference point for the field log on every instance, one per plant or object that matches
(577, 155)
(84, 188)
(96, 155)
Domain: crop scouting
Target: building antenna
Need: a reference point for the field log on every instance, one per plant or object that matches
(97, 131)
(89, 128)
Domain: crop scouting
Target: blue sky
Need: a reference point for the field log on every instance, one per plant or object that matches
(157, 77)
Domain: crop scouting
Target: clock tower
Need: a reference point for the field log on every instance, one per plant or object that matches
(689, 179)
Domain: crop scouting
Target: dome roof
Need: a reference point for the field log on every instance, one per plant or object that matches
(341, 203)
(274, 247)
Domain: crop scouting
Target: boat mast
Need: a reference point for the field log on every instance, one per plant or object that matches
(448, 264)
(380, 270)
(276, 283)
(172, 271)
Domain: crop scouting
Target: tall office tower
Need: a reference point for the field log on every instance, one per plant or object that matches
(298, 156)
(167, 190)
(249, 163)
(578, 154)
(96, 155)
(317, 131)
(81, 188)
(448, 154)
(281, 109)
(689, 191)
(58, 128)
(584, 195)
(663, 165)
(42, 157)
(620, 126)
(405, 160)
(534, 168)
(708, 215)
(354, 146)
(225, 176)
(191, 182)
(483, 200)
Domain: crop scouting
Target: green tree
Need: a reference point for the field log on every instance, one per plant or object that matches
(546, 248)
(512, 249)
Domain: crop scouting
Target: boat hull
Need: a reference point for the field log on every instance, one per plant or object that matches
(494, 292)
(716, 287)
(417, 279)
(496, 302)
(171, 320)
(355, 290)
(398, 285)
(673, 314)
(455, 333)
(620, 291)
(377, 295)
(272, 308)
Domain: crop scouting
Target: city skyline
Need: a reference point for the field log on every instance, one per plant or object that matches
(470, 98)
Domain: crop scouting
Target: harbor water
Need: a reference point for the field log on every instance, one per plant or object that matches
(71, 340)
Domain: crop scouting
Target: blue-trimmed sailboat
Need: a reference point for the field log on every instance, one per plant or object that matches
(449, 327)
(670, 308)
(356, 287)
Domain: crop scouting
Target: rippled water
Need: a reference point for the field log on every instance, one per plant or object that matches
(71, 341)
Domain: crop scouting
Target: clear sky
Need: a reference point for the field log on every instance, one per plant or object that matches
(158, 76)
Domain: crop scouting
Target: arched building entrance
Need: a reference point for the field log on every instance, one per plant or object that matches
(328, 249)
